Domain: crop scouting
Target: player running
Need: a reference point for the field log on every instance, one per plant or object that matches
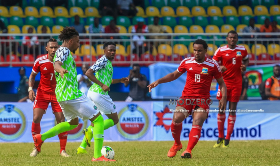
(98, 92)
(46, 94)
(233, 60)
(200, 71)
(73, 102)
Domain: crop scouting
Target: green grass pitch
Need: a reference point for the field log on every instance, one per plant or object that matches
(147, 153)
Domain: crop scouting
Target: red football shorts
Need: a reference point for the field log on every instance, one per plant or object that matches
(233, 94)
(43, 99)
(192, 104)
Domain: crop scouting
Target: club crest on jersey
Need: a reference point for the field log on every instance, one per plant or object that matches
(238, 53)
(204, 70)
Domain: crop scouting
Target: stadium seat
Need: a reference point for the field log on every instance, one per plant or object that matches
(190, 3)
(268, 3)
(31, 11)
(87, 50)
(180, 49)
(27, 59)
(176, 58)
(174, 3)
(4, 11)
(120, 50)
(158, 3)
(226, 28)
(31, 20)
(170, 21)
(78, 52)
(216, 20)
(57, 29)
(201, 20)
(46, 11)
(186, 21)
(95, 3)
(167, 28)
(232, 20)
(185, 40)
(13, 29)
(245, 19)
(47, 21)
(274, 10)
(214, 11)
(229, 11)
(120, 58)
(277, 18)
(262, 18)
(245, 10)
(39, 29)
(106, 20)
(36, 3)
(16, 11)
(211, 49)
(180, 29)
(252, 59)
(5, 20)
(247, 48)
(133, 57)
(152, 11)
(277, 57)
(161, 58)
(61, 11)
(16, 20)
(240, 28)
(77, 60)
(198, 11)
(63, 21)
(25, 29)
(258, 25)
(76, 11)
(165, 49)
(203, 37)
(82, 3)
(90, 58)
(123, 20)
(196, 29)
(191, 47)
(255, 3)
(221, 3)
(167, 11)
(130, 28)
(205, 3)
(212, 29)
(87, 28)
(92, 11)
(140, 11)
(260, 10)
(258, 49)
(14, 59)
(122, 29)
(147, 57)
(183, 11)
(89, 20)
(273, 49)
(264, 57)
(217, 40)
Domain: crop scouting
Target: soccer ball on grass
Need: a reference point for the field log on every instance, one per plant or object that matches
(108, 152)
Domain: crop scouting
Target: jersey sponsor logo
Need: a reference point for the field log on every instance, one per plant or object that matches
(190, 68)
(238, 53)
(134, 122)
(227, 55)
(204, 70)
(12, 122)
(45, 68)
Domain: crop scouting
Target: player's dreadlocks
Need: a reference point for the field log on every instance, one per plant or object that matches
(108, 43)
(67, 33)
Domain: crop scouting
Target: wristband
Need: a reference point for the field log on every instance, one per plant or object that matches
(30, 88)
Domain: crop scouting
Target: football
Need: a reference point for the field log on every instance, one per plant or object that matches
(108, 152)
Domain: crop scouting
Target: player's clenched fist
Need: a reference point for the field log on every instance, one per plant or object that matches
(124, 80)
(31, 95)
(152, 85)
(223, 103)
(243, 68)
(63, 71)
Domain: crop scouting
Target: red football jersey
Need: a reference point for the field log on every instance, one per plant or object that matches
(199, 76)
(232, 60)
(47, 80)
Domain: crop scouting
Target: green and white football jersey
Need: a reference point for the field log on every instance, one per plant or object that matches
(103, 72)
(66, 87)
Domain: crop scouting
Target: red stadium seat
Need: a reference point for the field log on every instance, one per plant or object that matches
(28, 59)
(189, 55)
(252, 59)
(14, 59)
(120, 58)
(175, 57)
(277, 57)
(133, 57)
(87, 59)
(145, 58)
(78, 60)
(2, 60)
(161, 57)
(264, 57)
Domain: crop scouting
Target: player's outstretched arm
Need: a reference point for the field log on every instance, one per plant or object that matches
(59, 69)
(31, 82)
(168, 78)
(91, 76)
(123, 80)
(223, 101)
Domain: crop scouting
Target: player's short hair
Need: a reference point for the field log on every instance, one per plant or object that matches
(107, 44)
(276, 66)
(232, 32)
(52, 40)
(200, 41)
(67, 33)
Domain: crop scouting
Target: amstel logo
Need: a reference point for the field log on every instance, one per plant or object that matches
(12, 122)
(133, 123)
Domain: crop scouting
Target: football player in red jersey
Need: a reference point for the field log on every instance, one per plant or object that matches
(46, 94)
(233, 60)
(200, 71)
